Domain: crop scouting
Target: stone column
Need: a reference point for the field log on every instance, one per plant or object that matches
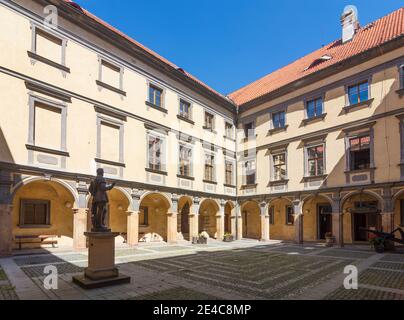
(388, 211)
(172, 220)
(81, 217)
(220, 221)
(194, 219)
(297, 207)
(337, 222)
(6, 214)
(264, 222)
(233, 222)
(239, 222)
(132, 234)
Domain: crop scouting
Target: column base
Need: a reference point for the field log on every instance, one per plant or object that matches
(101, 269)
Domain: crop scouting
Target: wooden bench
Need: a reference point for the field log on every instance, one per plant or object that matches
(42, 240)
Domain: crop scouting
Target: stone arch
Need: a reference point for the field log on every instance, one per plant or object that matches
(183, 218)
(251, 219)
(229, 215)
(356, 218)
(54, 199)
(208, 211)
(154, 209)
(279, 229)
(317, 216)
(119, 204)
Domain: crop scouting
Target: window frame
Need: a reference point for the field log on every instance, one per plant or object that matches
(212, 129)
(156, 87)
(272, 123)
(314, 99)
(351, 135)
(248, 136)
(190, 149)
(271, 213)
(359, 137)
(24, 202)
(306, 159)
(272, 164)
(231, 136)
(33, 54)
(357, 82)
(288, 214)
(212, 166)
(233, 176)
(401, 76)
(163, 151)
(190, 107)
(145, 216)
(244, 172)
(102, 61)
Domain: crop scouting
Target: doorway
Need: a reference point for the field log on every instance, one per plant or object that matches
(324, 216)
(185, 221)
(365, 216)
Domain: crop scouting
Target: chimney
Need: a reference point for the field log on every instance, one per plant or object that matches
(350, 23)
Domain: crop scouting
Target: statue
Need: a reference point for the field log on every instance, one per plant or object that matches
(98, 189)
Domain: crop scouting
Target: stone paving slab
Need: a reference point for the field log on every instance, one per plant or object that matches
(179, 293)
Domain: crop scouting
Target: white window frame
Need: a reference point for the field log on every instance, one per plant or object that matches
(163, 150)
(274, 111)
(191, 159)
(102, 60)
(233, 174)
(272, 164)
(214, 177)
(306, 158)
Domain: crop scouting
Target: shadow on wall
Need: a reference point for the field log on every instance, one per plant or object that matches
(5, 153)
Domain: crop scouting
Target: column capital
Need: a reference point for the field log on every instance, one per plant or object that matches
(136, 194)
(197, 200)
(175, 197)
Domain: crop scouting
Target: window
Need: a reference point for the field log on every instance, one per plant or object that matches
(315, 161)
(185, 161)
(155, 153)
(359, 152)
(48, 46)
(144, 216)
(155, 96)
(228, 130)
(290, 219)
(271, 213)
(110, 74)
(185, 109)
(401, 76)
(209, 121)
(249, 172)
(35, 212)
(358, 93)
(279, 166)
(249, 129)
(278, 119)
(209, 167)
(314, 108)
(47, 119)
(110, 141)
(229, 173)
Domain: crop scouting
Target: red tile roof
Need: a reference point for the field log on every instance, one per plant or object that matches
(156, 55)
(368, 37)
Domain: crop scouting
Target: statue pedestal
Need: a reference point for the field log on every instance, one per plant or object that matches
(101, 270)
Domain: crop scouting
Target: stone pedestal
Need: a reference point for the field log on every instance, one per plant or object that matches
(101, 270)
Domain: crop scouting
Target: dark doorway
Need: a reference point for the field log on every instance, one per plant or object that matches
(365, 216)
(185, 221)
(324, 212)
(245, 225)
(227, 222)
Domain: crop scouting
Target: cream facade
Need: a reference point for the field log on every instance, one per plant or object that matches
(81, 96)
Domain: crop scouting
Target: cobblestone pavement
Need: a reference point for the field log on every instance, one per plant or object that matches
(240, 270)
(7, 291)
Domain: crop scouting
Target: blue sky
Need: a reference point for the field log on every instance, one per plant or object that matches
(228, 44)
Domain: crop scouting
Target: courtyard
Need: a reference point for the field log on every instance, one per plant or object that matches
(241, 270)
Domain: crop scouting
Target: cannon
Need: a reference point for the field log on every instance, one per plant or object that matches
(384, 240)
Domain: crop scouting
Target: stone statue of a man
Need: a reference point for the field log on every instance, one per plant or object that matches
(98, 189)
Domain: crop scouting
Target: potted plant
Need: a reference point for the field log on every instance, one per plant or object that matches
(228, 237)
(378, 244)
(329, 239)
(203, 238)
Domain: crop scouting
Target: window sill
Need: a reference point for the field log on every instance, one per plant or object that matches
(277, 130)
(158, 108)
(249, 186)
(277, 182)
(35, 226)
(360, 170)
(209, 129)
(164, 173)
(109, 87)
(51, 63)
(229, 185)
(364, 104)
(185, 177)
(209, 181)
(143, 225)
(47, 150)
(112, 163)
(185, 119)
(319, 177)
(314, 119)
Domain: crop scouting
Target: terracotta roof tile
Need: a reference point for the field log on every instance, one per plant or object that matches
(368, 37)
